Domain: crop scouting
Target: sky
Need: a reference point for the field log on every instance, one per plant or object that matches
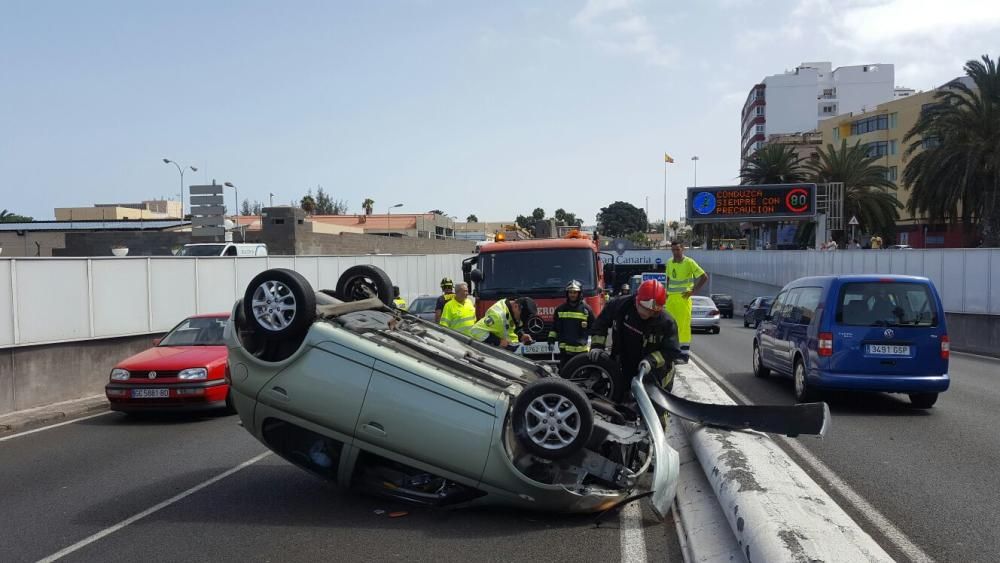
(471, 107)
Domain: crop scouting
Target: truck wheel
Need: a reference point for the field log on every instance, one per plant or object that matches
(279, 304)
(363, 282)
(552, 418)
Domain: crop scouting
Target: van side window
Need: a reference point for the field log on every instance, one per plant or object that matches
(777, 309)
(231, 251)
(806, 301)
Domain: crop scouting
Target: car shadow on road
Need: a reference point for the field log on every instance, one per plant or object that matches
(155, 418)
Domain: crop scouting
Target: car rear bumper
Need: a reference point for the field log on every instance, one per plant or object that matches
(188, 396)
(704, 323)
(883, 383)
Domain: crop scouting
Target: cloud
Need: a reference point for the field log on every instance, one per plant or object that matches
(617, 27)
(926, 40)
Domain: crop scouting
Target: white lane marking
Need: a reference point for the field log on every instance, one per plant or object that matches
(135, 518)
(633, 539)
(877, 520)
(51, 426)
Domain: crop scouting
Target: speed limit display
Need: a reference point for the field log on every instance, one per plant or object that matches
(749, 203)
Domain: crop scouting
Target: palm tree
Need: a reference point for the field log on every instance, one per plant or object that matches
(868, 194)
(367, 205)
(773, 164)
(308, 204)
(955, 173)
(472, 219)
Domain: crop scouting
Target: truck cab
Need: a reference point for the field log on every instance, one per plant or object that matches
(536, 268)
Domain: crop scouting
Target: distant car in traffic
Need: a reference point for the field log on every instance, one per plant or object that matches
(184, 370)
(754, 311)
(704, 315)
(724, 303)
(423, 307)
(883, 333)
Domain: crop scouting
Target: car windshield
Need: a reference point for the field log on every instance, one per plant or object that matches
(197, 331)
(202, 250)
(886, 304)
(422, 305)
(699, 301)
(536, 271)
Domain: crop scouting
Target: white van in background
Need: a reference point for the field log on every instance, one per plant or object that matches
(223, 249)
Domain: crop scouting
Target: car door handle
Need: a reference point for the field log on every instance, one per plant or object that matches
(375, 429)
(279, 392)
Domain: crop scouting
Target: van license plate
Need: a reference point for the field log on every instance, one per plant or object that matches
(888, 350)
(150, 393)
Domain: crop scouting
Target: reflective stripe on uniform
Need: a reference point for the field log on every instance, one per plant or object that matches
(570, 348)
(657, 359)
(572, 315)
(598, 340)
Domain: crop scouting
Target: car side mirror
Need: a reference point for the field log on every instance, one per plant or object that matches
(476, 275)
(156, 341)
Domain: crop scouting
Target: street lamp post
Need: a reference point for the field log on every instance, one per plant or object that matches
(695, 159)
(180, 169)
(237, 191)
(388, 213)
(271, 200)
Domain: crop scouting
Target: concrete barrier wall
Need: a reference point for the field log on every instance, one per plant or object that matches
(967, 278)
(51, 300)
(34, 376)
(978, 334)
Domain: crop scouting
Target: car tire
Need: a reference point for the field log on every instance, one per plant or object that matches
(716, 330)
(923, 400)
(603, 377)
(552, 418)
(279, 304)
(363, 282)
(230, 407)
(803, 392)
(759, 369)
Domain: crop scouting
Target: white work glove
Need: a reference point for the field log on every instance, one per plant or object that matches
(597, 354)
(645, 366)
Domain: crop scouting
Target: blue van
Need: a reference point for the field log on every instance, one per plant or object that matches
(882, 333)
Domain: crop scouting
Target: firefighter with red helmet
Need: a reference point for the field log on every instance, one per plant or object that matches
(643, 334)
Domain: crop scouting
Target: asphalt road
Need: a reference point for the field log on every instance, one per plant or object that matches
(74, 492)
(933, 474)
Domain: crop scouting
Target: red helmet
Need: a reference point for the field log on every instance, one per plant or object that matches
(651, 295)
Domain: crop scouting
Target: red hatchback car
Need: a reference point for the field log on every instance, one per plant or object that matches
(185, 370)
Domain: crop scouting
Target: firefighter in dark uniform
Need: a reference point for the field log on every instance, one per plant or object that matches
(642, 334)
(571, 322)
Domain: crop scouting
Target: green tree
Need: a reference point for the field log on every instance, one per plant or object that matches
(621, 219)
(368, 204)
(436, 211)
(308, 204)
(258, 207)
(868, 194)
(954, 152)
(338, 207)
(472, 219)
(525, 222)
(773, 164)
(538, 214)
(9, 217)
(245, 207)
(324, 205)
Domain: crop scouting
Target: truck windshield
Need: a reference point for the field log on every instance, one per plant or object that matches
(533, 272)
(202, 250)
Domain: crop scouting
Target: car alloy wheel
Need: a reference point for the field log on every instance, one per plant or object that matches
(552, 421)
(758, 364)
(273, 305)
(593, 379)
(803, 393)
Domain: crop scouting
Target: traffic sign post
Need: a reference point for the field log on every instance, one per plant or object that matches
(853, 223)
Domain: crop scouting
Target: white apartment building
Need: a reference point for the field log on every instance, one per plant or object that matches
(797, 100)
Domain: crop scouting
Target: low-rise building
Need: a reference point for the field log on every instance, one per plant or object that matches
(153, 209)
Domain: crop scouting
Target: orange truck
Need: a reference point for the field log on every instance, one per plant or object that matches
(540, 269)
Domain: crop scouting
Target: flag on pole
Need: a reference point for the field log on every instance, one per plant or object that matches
(667, 158)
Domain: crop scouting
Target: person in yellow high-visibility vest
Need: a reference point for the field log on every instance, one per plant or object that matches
(459, 313)
(684, 278)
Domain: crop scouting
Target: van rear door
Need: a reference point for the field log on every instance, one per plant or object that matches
(888, 326)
